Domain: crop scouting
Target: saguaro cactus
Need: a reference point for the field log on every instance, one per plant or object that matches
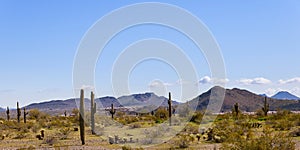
(25, 114)
(236, 110)
(93, 111)
(7, 113)
(170, 109)
(112, 111)
(266, 107)
(18, 112)
(81, 117)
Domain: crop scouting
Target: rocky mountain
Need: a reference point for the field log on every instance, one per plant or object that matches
(247, 100)
(283, 95)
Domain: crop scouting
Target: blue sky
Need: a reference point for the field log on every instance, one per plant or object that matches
(259, 40)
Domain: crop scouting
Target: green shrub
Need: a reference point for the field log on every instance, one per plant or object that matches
(63, 133)
(268, 140)
(197, 117)
(162, 114)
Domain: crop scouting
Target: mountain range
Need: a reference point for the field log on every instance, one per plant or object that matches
(247, 101)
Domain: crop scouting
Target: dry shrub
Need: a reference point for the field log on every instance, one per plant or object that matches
(135, 125)
(50, 140)
(268, 140)
(63, 133)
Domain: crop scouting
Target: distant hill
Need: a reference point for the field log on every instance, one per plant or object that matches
(2, 109)
(247, 101)
(263, 95)
(283, 95)
(144, 100)
(135, 100)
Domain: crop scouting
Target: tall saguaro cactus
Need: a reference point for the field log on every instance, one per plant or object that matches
(170, 109)
(18, 112)
(25, 114)
(93, 111)
(7, 113)
(112, 111)
(266, 106)
(81, 117)
(236, 110)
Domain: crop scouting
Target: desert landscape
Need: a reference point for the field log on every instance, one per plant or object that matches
(149, 75)
(172, 125)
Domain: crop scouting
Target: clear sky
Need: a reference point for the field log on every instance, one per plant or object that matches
(259, 40)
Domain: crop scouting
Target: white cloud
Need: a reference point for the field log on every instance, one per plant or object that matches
(259, 81)
(205, 80)
(157, 83)
(293, 80)
(208, 80)
(220, 81)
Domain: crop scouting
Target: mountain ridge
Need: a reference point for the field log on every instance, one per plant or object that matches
(248, 101)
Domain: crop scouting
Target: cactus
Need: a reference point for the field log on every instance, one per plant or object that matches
(266, 107)
(25, 114)
(18, 112)
(81, 117)
(65, 113)
(236, 110)
(7, 114)
(93, 111)
(112, 111)
(170, 109)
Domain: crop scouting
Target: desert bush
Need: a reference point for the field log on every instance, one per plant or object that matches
(135, 125)
(191, 128)
(63, 133)
(282, 114)
(184, 141)
(35, 128)
(6, 125)
(197, 117)
(268, 140)
(20, 135)
(259, 113)
(35, 114)
(50, 140)
(127, 119)
(295, 132)
(161, 113)
(120, 114)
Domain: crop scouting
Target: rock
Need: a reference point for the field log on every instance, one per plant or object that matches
(111, 140)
